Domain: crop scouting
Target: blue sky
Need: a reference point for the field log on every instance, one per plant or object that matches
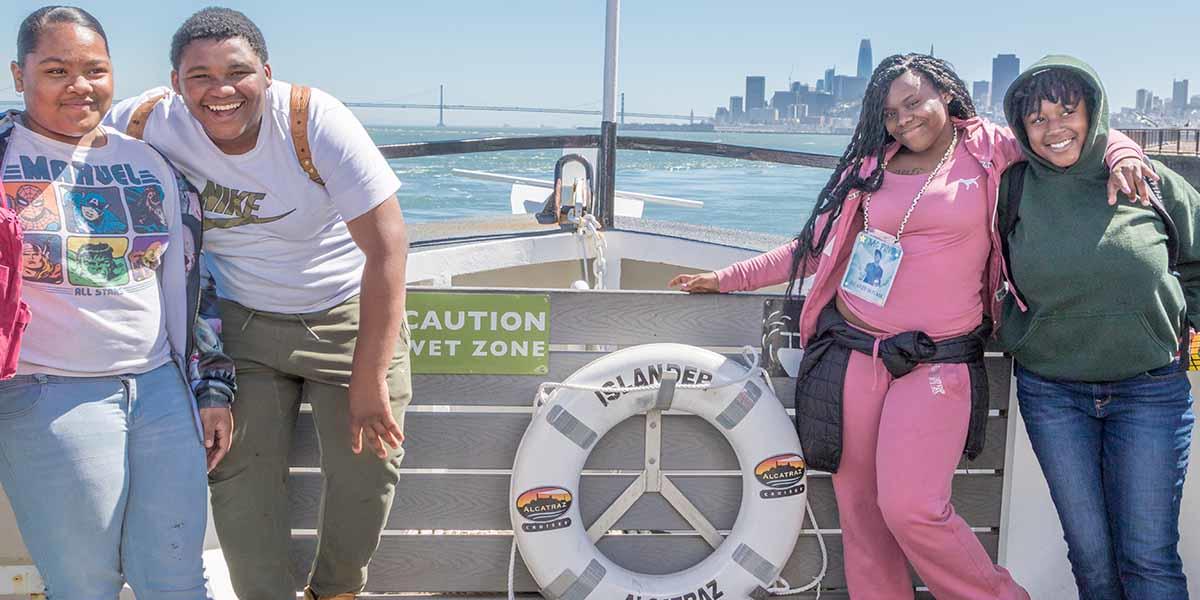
(676, 55)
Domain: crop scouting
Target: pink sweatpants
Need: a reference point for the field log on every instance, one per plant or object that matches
(901, 441)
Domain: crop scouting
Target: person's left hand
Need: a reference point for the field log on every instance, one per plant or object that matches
(218, 433)
(371, 417)
(1129, 176)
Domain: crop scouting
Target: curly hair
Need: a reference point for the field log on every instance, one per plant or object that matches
(217, 23)
(871, 138)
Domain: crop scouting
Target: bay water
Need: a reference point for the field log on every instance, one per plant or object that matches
(737, 194)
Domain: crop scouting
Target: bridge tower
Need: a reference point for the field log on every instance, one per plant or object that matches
(441, 105)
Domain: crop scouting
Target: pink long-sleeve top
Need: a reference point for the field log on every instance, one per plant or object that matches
(985, 151)
(938, 286)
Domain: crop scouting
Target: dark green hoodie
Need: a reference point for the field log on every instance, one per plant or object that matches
(1102, 305)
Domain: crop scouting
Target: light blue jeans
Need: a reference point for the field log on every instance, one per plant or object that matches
(107, 479)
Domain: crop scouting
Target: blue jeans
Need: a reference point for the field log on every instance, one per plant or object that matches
(107, 479)
(1115, 455)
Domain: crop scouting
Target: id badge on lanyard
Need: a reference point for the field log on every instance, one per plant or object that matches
(874, 261)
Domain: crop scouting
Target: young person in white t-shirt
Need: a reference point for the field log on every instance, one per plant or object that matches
(311, 280)
(101, 449)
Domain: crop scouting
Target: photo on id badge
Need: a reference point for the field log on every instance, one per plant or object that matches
(872, 269)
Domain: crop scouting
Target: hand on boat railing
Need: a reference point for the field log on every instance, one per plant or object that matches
(700, 283)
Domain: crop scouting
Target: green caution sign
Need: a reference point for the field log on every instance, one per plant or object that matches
(479, 334)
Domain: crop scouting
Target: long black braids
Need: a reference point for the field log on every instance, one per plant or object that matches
(871, 138)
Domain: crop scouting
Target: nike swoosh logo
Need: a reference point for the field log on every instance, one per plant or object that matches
(214, 223)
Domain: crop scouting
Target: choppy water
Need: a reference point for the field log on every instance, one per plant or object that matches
(754, 196)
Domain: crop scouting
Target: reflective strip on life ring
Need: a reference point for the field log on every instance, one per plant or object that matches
(544, 494)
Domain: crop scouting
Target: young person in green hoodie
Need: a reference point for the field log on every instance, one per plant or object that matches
(1095, 322)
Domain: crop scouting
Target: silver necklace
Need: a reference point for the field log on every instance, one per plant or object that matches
(932, 174)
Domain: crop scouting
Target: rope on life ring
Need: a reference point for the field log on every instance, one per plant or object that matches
(570, 418)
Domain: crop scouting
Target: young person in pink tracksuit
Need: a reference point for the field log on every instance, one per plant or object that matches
(905, 266)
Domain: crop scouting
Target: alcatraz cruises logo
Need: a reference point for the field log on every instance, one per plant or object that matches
(544, 506)
(783, 473)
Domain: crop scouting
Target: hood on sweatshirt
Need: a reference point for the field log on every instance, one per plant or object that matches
(1091, 156)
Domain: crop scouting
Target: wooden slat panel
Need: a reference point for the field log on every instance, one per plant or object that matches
(489, 441)
(459, 501)
(518, 390)
(643, 317)
(427, 563)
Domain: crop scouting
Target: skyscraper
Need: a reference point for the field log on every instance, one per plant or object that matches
(1179, 97)
(1005, 68)
(735, 108)
(865, 63)
(979, 93)
(1143, 100)
(756, 92)
(829, 73)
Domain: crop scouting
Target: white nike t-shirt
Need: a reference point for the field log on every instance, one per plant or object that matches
(275, 240)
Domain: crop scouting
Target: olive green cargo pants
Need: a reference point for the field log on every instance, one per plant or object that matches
(282, 361)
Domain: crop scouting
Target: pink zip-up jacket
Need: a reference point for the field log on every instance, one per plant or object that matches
(995, 148)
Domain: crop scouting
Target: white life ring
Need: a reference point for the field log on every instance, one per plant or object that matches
(543, 496)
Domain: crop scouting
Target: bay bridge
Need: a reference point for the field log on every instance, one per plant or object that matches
(525, 109)
(441, 107)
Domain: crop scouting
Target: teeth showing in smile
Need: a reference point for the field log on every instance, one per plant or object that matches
(1060, 145)
(224, 107)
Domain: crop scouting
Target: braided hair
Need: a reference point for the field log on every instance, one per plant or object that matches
(871, 138)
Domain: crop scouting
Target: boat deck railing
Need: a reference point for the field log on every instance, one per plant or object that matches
(1167, 141)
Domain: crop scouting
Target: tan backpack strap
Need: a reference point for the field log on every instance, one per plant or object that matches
(137, 123)
(299, 111)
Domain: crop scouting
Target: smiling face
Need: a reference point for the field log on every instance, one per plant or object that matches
(915, 112)
(224, 84)
(66, 81)
(1058, 131)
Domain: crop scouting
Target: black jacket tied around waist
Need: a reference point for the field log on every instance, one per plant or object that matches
(822, 376)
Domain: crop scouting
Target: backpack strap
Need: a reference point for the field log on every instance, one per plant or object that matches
(301, 94)
(1014, 176)
(1156, 202)
(137, 122)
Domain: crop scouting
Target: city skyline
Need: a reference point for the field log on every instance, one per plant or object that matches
(987, 94)
(676, 55)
